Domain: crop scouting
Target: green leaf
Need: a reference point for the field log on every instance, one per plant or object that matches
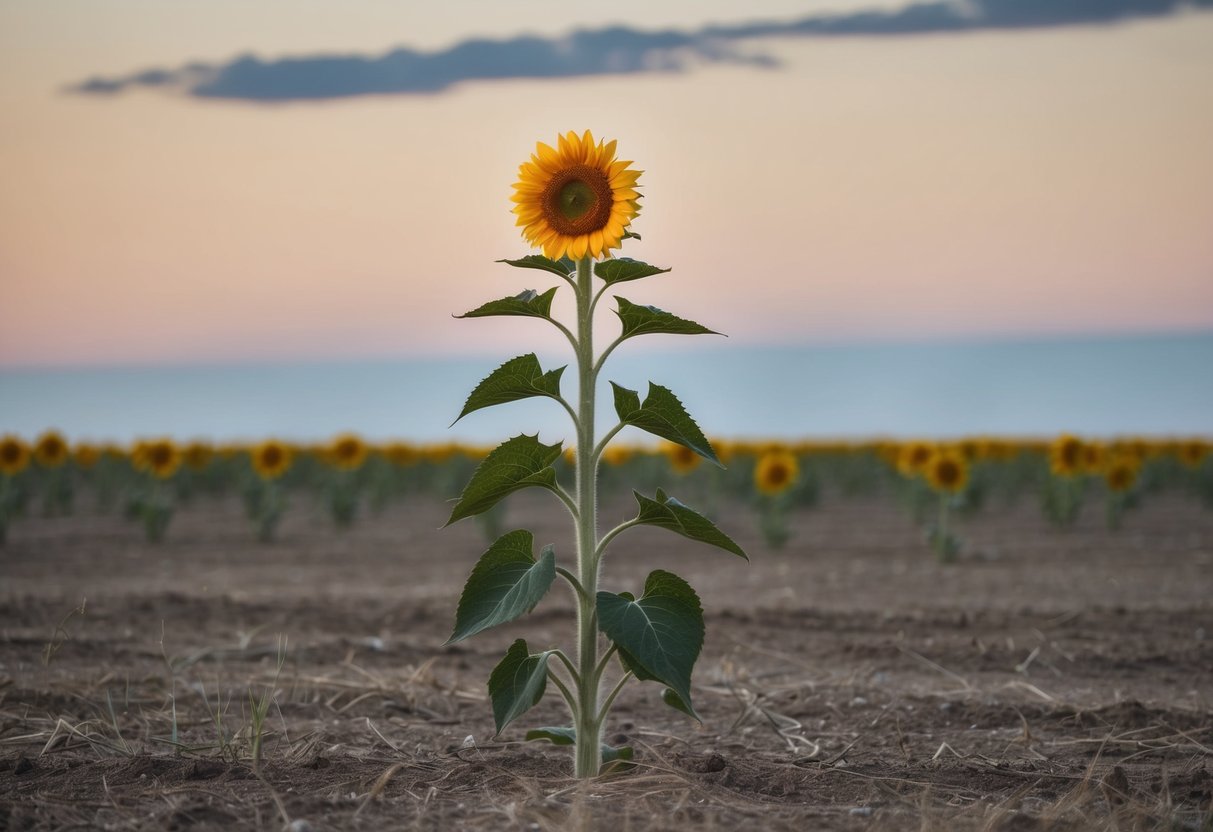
(662, 415)
(517, 683)
(527, 303)
(567, 735)
(518, 378)
(517, 463)
(623, 269)
(667, 513)
(661, 633)
(672, 699)
(649, 320)
(543, 264)
(506, 583)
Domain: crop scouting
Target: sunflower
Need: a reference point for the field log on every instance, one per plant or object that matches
(616, 455)
(401, 453)
(947, 470)
(1120, 473)
(681, 458)
(198, 455)
(86, 455)
(1193, 452)
(161, 458)
(347, 452)
(912, 457)
(575, 200)
(270, 459)
(1094, 457)
(14, 455)
(776, 472)
(51, 450)
(1066, 455)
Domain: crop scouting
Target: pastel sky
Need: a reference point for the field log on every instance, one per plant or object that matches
(843, 172)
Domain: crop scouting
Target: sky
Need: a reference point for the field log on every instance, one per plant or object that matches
(225, 181)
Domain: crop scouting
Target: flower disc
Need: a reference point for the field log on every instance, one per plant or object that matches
(575, 199)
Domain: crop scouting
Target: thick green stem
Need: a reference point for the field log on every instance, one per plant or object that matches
(588, 752)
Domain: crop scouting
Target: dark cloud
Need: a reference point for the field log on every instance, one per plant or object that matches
(615, 50)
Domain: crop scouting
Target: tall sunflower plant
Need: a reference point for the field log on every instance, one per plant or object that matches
(576, 202)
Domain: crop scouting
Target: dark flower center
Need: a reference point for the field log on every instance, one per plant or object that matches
(577, 200)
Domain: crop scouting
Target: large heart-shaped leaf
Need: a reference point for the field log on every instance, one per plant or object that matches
(662, 414)
(649, 320)
(527, 303)
(518, 378)
(623, 269)
(517, 683)
(659, 634)
(517, 463)
(507, 582)
(667, 513)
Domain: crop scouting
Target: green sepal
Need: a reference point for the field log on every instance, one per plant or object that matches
(660, 634)
(623, 269)
(527, 303)
(543, 264)
(506, 583)
(649, 320)
(668, 513)
(567, 735)
(518, 378)
(517, 463)
(662, 414)
(517, 683)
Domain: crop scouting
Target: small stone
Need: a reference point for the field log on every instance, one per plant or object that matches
(299, 825)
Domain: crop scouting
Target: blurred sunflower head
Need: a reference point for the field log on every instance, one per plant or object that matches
(198, 455)
(271, 459)
(776, 472)
(616, 455)
(913, 457)
(1193, 452)
(86, 455)
(575, 200)
(51, 450)
(14, 455)
(347, 452)
(1094, 457)
(947, 471)
(1120, 473)
(401, 453)
(681, 458)
(1066, 455)
(161, 458)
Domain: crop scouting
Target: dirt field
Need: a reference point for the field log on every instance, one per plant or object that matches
(1050, 680)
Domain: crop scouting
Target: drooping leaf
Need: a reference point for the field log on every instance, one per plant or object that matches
(528, 303)
(660, 633)
(517, 683)
(662, 414)
(518, 378)
(541, 263)
(668, 513)
(649, 320)
(567, 735)
(623, 269)
(517, 463)
(669, 697)
(506, 583)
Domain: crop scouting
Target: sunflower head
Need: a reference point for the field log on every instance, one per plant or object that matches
(161, 458)
(401, 453)
(198, 455)
(575, 199)
(14, 455)
(913, 457)
(1193, 452)
(681, 458)
(271, 459)
(947, 471)
(616, 455)
(1094, 457)
(776, 472)
(1120, 473)
(51, 450)
(1066, 455)
(347, 452)
(86, 455)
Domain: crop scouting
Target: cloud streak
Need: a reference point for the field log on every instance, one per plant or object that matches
(617, 50)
